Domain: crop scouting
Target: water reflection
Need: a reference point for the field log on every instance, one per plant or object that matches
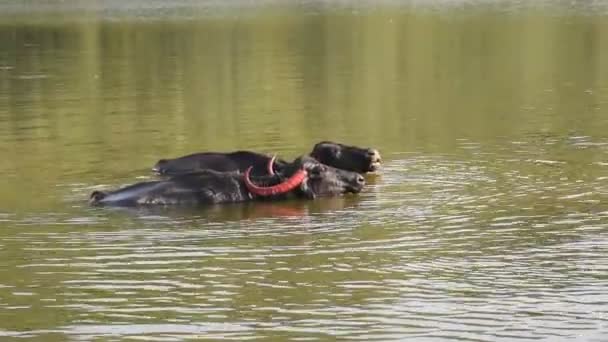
(296, 209)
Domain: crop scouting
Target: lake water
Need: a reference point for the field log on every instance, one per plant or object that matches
(488, 222)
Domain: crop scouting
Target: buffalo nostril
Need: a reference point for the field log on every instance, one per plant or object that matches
(360, 180)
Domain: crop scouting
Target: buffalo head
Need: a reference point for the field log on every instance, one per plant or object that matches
(345, 157)
(307, 177)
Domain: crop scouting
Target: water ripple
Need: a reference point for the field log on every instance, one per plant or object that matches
(434, 249)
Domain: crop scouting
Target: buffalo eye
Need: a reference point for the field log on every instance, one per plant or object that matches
(316, 170)
(337, 152)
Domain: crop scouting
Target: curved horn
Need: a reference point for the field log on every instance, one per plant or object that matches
(281, 188)
(271, 164)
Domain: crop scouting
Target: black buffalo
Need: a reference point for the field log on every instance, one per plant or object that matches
(304, 178)
(345, 157)
(222, 162)
(350, 158)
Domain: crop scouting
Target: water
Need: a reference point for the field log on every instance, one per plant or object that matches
(487, 223)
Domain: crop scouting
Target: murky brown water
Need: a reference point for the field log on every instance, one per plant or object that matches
(488, 222)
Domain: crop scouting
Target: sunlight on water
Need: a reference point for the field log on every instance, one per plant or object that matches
(486, 223)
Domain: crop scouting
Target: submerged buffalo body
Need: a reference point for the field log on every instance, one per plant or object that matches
(304, 178)
(222, 162)
(350, 158)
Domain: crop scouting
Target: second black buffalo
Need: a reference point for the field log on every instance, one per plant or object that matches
(345, 157)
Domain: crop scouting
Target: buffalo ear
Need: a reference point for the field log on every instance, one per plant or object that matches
(158, 167)
(316, 170)
(328, 153)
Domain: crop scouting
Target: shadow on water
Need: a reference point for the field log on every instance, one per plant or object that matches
(237, 211)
